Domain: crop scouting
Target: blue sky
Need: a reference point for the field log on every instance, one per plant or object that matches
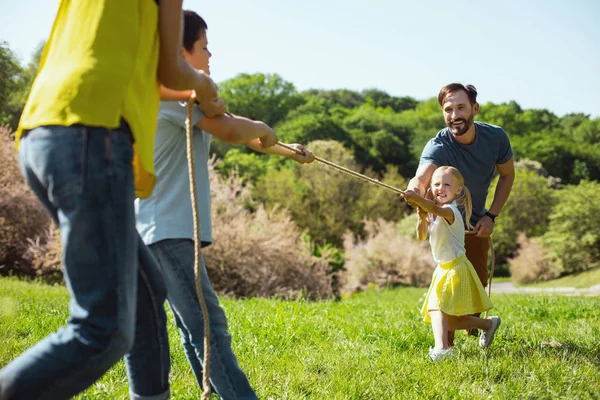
(542, 54)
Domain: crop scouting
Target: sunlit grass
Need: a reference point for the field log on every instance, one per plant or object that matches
(370, 346)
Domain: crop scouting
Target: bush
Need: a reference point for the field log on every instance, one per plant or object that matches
(260, 253)
(531, 263)
(384, 258)
(44, 255)
(21, 214)
(527, 210)
(328, 202)
(573, 236)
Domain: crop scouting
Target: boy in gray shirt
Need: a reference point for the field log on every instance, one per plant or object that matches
(165, 221)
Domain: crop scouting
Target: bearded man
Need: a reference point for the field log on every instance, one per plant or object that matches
(477, 150)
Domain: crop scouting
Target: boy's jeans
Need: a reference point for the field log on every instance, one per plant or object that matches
(83, 176)
(176, 258)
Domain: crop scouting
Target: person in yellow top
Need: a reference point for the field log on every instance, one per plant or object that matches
(456, 291)
(87, 129)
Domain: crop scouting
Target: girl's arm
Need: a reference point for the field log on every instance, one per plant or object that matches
(429, 206)
(422, 224)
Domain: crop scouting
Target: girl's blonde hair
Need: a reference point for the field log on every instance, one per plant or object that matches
(464, 198)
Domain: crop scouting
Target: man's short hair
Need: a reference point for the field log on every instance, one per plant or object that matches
(193, 29)
(457, 87)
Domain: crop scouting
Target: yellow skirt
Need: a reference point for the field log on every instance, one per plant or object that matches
(456, 290)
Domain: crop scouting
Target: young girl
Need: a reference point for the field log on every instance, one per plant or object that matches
(455, 291)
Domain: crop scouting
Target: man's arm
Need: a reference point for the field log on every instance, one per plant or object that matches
(506, 171)
(173, 70)
(422, 178)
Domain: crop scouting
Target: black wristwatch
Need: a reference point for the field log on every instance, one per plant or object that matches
(492, 216)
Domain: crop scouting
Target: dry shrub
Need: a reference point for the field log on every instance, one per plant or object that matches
(532, 263)
(44, 254)
(21, 214)
(259, 253)
(385, 258)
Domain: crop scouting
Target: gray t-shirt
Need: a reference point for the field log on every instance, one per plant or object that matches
(167, 213)
(476, 162)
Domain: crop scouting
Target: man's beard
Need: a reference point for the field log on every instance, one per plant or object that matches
(467, 123)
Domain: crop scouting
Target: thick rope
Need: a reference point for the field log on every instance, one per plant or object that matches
(198, 250)
(345, 170)
(395, 190)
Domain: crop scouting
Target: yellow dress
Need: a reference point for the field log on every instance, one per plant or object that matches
(455, 287)
(456, 290)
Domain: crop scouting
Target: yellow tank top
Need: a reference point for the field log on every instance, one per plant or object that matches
(100, 65)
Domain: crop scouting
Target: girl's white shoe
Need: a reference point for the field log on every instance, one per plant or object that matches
(439, 354)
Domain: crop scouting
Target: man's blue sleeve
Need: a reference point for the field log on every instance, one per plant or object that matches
(504, 150)
(433, 153)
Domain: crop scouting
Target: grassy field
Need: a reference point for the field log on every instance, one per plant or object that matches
(370, 346)
(580, 280)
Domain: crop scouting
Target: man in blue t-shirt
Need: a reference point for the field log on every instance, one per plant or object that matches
(476, 149)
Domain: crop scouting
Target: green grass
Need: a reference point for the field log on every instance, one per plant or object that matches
(370, 346)
(581, 280)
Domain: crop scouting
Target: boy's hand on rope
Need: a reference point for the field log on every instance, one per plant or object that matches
(206, 96)
(305, 158)
(269, 138)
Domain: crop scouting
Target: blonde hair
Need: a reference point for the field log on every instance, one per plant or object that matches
(464, 197)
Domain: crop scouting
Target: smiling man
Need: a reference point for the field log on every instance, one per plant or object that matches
(477, 150)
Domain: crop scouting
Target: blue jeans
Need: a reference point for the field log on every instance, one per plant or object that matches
(83, 177)
(176, 258)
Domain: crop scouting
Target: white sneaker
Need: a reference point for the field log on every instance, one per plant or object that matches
(487, 337)
(439, 354)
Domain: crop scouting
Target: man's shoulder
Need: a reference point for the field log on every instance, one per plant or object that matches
(441, 137)
(490, 129)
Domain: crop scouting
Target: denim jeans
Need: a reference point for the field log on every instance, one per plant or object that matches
(83, 177)
(176, 258)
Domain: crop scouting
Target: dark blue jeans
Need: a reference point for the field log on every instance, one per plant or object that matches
(176, 258)
(83, 176)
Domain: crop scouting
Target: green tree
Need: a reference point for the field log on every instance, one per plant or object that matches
(383, 100)
(424, 122)
(319, 198)
(263, 97)
(380, 138)
(527, 210)
(317, 119)
(342, 97)
(10, 80)
(15, 83)
(249, 166)
(573, 235)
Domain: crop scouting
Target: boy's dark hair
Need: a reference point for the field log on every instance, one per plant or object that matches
(193, 29)
(457, 87)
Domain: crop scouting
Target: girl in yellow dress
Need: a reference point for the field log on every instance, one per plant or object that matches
(455, 292)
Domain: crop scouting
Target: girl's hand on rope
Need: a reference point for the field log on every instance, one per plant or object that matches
(269, 138)
(305, 158)
(411, 197)
(484, 227)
